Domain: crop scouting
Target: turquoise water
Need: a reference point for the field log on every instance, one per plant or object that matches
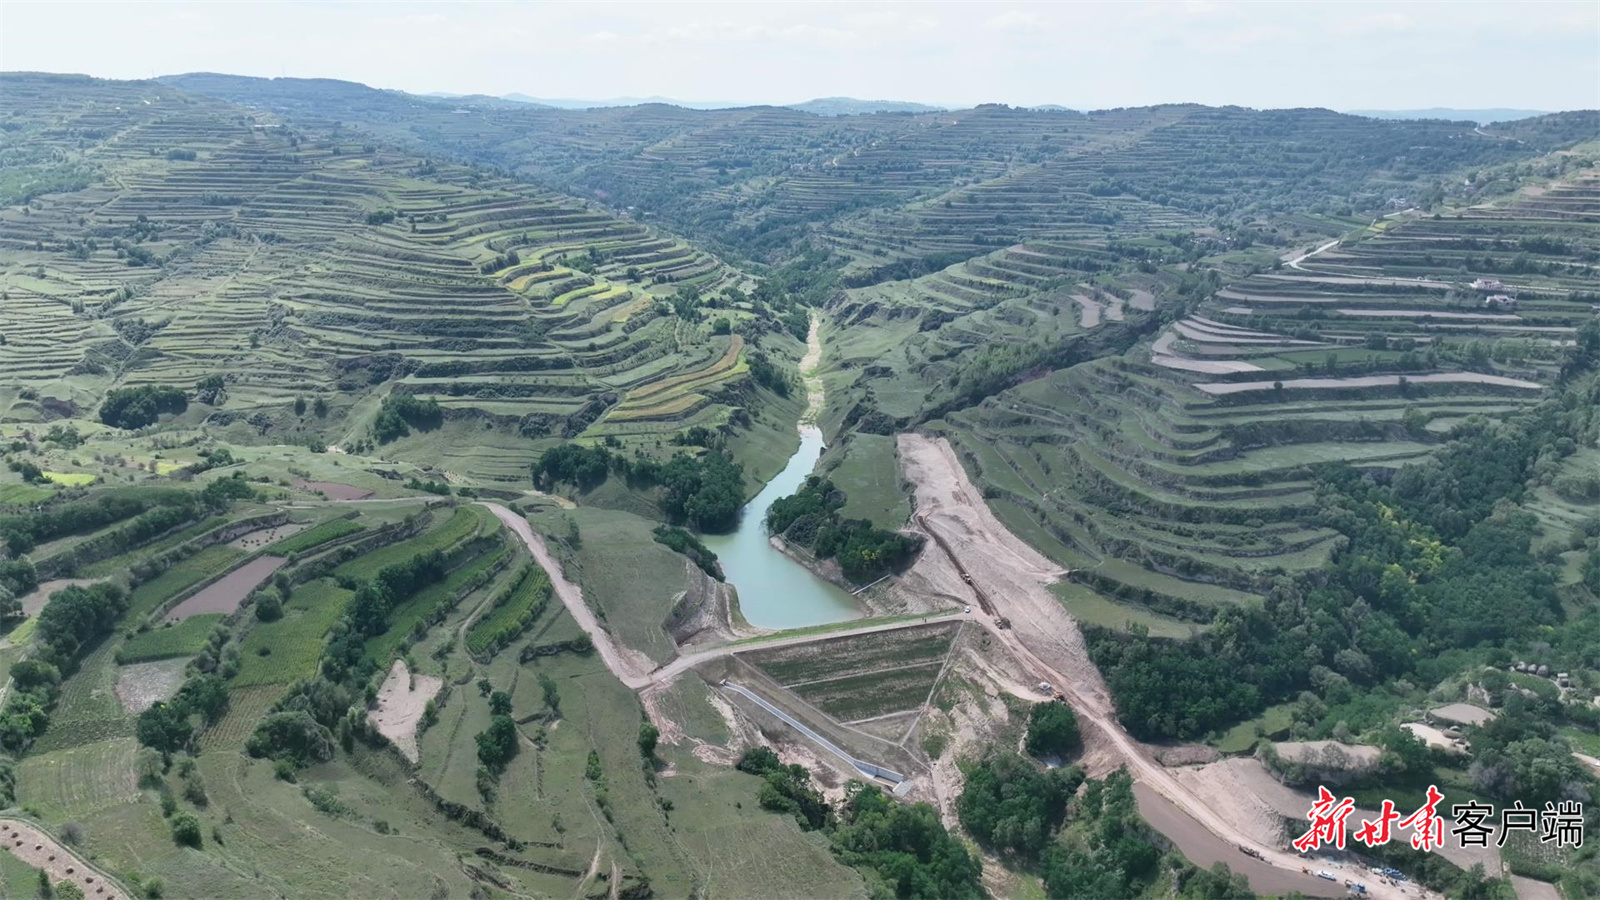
(774, 590)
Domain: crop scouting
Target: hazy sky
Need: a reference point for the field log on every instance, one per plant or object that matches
(1343, 55)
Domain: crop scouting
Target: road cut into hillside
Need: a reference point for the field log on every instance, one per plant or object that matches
(1030, 623)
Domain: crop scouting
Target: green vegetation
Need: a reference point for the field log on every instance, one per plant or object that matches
(287, 650)
(1105, 850)
(1445, 537)
(316, 536)
(705, 492)
(184, 638)
(186, 573)
(399, 414)
(1012, 807)
(902, 850)
(1052, 730)
(1317, 495)
(511, 612)
(681, 541)
(464, 521)
(147, 512)
(410, 620)
(810, 518)
(141, 406)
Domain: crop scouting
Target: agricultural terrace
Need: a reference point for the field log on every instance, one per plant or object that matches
(902, 195)
(474, 566)
(511, 612)
(1177, 482)
(446, 531)
(286, 650)
(286, 261)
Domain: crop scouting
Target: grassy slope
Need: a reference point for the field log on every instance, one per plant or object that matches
(628, 578)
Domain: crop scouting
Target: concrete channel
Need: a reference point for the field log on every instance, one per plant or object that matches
(871, 770)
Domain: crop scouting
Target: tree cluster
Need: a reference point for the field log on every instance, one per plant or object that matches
(136, 407)
(810, 518)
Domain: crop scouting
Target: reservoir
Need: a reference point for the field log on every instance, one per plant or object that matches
(775, 591)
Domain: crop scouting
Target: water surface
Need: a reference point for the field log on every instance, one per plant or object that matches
(774, 590)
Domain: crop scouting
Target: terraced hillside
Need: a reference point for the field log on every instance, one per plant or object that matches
(900, 194)
(212, 240)
(1177, 479)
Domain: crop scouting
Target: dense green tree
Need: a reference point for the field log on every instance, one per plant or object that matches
(1052, 730)
(1012, 806)
(186, 830)
(497, 744)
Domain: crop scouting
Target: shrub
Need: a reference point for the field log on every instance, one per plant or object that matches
(186, 830)
(293, 736)
(682, 541)
(268, 607)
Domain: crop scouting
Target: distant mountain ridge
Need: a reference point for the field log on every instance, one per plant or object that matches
(850, 106)
(1481, 116)
(822, 106)
(571, 103)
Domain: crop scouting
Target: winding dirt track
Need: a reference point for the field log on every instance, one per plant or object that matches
(618, 659)
(1046, 640)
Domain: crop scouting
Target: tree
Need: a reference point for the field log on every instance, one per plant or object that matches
(497, 744)
(500, 703)
(552, 694)
(1052, 730)
(292, 736)
(186, 830)
(648, 736)
(268, 607)
(1012, 806)
(164, 727)
(903, 850)
(211, 390)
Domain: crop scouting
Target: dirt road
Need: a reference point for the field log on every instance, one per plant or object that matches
(1295, 263)
(622, 662)
(1046, 640)
(808, 373)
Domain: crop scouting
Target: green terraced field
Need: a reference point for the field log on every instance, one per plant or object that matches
(315, 536)
(463, 523)
(277, 653)
(183, 638)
